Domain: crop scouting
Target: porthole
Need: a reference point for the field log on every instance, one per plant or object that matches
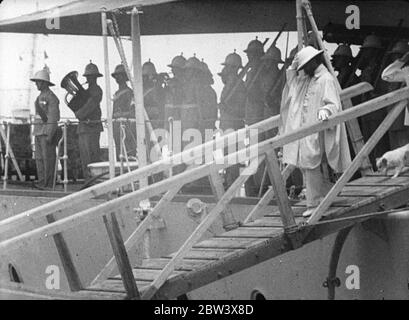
(257, 295)
(14, 274)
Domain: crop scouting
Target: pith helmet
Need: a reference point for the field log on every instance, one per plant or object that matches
(42, 75)
(204, 67)
(119, 69)
(193, 63)
(233, 60)
(178, 62)
(343, 50)
(255, 46)
(91, 70)
(307, 54)
(148, 69)
(273, 53)
(372, 41)
(400, 47)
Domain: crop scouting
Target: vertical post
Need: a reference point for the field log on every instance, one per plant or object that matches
(300, 26)
(229, 222)
(111, 150)
(65, 157)
(66, 259)
(287, 215)
(6, 165)
(138, 92)
(122, 260)
(121, 148)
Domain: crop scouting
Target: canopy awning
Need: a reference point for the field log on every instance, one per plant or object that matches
(203, 16)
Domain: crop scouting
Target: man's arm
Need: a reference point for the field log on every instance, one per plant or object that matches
(331, 100)
(395, 73)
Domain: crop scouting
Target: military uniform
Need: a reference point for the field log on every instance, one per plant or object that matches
(154, 98)
(123, 108)
(89, 132)
(232, 111)
(256, 93)
(207, 101)
(371, 121)
(45, 127)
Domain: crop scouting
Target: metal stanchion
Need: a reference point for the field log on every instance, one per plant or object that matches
(65, 157)
(6, 160)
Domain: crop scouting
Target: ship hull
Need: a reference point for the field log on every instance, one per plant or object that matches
(374, 263)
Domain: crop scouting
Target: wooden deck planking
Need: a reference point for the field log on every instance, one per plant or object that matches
(363, 191)
(146, 274)
(213, 253)
(184, 265)
(269, 221)
(380, 181)
(228, 243)
(116, 285)
(206, 254)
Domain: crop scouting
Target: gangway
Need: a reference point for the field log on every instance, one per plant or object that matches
(257, 238)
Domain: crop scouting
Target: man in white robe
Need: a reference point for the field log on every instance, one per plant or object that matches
(313, 96)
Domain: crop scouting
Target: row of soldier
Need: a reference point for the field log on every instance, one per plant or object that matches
(188, 96)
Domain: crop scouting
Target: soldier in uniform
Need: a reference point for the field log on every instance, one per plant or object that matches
(255, 89)
(369, 60)
(153, 94)
(190, 112)
(207, 100)
(272, 59)
(233, 97)
(174, 90)
(342, 63)
(123, 107)
(45, 128)
(258, 79)
(232, 104)
(89, 116)
(396, 76)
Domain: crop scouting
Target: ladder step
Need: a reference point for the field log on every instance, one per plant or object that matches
(229, 243)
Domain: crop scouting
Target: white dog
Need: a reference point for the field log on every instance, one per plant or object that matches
(397, 159)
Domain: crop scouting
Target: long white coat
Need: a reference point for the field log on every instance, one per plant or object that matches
(303, 98)
(395, 73)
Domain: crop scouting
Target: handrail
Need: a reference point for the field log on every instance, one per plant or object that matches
(186, 176)
(130, 177)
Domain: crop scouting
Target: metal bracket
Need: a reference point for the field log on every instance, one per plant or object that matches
(332, 282)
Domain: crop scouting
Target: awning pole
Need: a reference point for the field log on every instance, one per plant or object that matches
(300, 27)
(138, 93)
(111, 150)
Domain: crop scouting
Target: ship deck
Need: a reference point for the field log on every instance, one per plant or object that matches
(252, 243)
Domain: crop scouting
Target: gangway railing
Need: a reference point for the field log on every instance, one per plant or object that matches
(264, 150)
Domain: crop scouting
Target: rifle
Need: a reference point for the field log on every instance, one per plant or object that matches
(246, 68)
